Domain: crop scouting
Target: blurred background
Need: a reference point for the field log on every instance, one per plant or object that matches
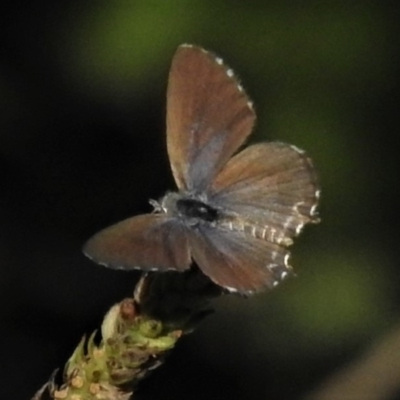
(82, 145)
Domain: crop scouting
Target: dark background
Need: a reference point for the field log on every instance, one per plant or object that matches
(82, 145)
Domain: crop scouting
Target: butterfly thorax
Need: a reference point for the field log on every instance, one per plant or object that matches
(191, 209)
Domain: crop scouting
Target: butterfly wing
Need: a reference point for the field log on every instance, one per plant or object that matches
(268, 192)
(148, 242)
(208, 117)
(238, 261)
(272, 186)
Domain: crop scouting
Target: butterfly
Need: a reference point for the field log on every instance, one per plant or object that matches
(235, 213)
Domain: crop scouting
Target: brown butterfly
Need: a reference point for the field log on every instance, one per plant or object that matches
(234, 216)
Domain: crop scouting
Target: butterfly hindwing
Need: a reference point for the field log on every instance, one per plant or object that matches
(271, 185)
(238, 261)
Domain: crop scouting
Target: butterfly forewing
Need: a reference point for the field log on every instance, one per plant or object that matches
(208, 116)
(238, 261)
(271, 185)
(148, 242)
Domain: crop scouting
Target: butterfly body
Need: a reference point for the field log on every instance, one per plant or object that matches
(193, 210)
(235, 213)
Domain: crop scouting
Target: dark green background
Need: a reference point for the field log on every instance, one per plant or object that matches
(82, 145)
